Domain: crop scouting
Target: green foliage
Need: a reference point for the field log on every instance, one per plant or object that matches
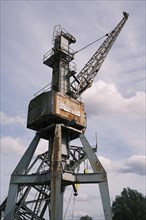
(86, 218)
(130, 205)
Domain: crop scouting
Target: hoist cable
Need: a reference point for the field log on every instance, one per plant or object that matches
(68, 205)
(91, 43)
(73, 208)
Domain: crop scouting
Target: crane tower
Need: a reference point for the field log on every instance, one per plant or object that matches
(37, 185)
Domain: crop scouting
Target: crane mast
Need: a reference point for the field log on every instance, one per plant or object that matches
(37, 186)
(86, 76)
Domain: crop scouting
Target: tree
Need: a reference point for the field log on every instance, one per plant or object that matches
(130, 205)
(86, 218)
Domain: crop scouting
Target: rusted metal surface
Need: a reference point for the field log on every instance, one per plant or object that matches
(69, 108)
(56, 150)
(56, 169)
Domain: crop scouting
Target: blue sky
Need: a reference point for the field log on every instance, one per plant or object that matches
(115, 104)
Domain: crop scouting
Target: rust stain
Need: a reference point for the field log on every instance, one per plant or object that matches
(69, 108)
(55, 170)
(56, 151)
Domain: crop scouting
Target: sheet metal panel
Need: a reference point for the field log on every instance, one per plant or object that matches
(53, 107)
(70, 109)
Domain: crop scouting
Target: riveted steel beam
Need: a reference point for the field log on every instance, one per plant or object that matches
(69, 178)
(31, 179)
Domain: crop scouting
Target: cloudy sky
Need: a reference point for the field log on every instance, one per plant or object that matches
(115, 104)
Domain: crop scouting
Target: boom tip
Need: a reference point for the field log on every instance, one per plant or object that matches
(125, 14)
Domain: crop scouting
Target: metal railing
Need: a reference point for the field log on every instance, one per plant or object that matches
(44, 89)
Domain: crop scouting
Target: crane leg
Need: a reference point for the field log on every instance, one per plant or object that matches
(104, 192)
(19, 170)
(56, 177)
(11, 201)
(98, 168)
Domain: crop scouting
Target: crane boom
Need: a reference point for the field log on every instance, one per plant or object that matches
(86, 76)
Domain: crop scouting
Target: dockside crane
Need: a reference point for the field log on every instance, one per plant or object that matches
(37, 187)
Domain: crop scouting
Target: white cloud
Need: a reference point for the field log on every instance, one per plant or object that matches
(104, 98)
(9, 120)
(135, 164)
(82, 197)
(13, 146)
(107, 163)
(17, 146)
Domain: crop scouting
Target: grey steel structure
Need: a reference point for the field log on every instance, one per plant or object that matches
(37, 186)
